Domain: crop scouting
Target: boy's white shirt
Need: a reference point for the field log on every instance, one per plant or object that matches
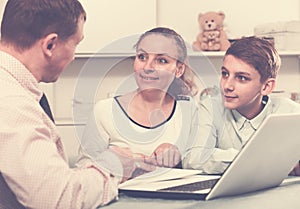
(221, 132)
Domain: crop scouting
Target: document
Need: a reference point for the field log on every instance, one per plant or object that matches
(164, 177)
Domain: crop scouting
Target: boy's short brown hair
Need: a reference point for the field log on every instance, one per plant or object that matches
(259, 53)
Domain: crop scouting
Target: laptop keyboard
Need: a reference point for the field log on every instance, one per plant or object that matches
(195, 186)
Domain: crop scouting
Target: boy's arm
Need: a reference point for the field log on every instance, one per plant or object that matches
(203, 152)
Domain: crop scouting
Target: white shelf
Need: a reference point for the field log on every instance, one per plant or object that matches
(222, 53)
(100, 55)
(204, 53)
(289, 53)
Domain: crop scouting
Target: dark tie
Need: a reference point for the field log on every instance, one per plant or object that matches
(45, 105)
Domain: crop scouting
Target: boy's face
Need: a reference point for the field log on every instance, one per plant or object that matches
(241, 87)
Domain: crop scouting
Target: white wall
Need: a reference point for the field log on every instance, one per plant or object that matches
(109, 20)
(241, 15)
(2, 5)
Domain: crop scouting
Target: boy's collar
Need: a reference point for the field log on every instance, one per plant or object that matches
(257, 120)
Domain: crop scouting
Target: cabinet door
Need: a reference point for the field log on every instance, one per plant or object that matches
(108, 20)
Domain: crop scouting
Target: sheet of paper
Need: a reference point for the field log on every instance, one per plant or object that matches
(160, 174)
(157, 185)
(165, 177)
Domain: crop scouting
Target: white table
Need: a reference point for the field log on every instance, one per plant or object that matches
(286, 196)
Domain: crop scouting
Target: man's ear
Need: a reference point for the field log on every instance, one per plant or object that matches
(180, 70)
(49, 43)
(268, 86)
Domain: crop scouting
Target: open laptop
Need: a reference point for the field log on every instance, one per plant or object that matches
(264, 162)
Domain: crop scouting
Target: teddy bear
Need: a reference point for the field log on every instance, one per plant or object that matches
(212, 36)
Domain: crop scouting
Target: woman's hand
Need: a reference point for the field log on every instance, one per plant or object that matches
(141, 166)
(165, 155)
(126, 158)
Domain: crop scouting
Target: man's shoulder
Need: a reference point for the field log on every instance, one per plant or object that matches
(10, 87)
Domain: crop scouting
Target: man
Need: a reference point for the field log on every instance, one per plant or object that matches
(248, 77)
(38, 41)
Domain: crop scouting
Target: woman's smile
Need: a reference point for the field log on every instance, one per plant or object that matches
(147, 78)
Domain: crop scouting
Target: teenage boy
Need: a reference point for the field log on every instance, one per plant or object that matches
(248, 77)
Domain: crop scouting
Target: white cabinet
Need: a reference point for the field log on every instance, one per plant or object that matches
(90, 78)
(108, 20)
(288, 79)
